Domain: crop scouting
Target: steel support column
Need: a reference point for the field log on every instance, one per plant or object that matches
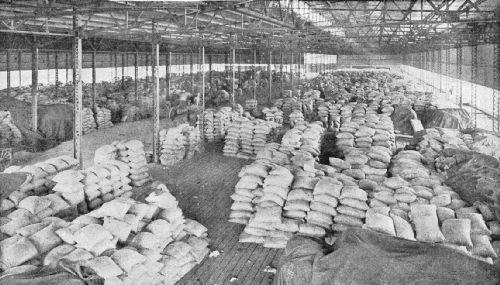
(440, 69)
(203, 78)
(34, 88)
(270, 76)
(496, 88)
(168, 72)
(67, 67)
(459, 76)
(147, 71)
(136, 76)
(233, 75)
(210, 68)
(56, 67)
(48, 66)
(8, 73)
(94, 90)
(191, 70)
(474, 69)
(19, 66)
(447, 70)
(291, 73)
(281, 72)
(115, 55)
(254, 73)
(123, 70)
(77, 96)
(155, 62)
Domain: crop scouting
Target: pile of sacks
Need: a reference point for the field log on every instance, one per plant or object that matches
(88, 122)
(245, 138)
(273, 114)
(39, 181)
(103, 117)
(9, 133)
(368, 164)
(251, 104)
(215, 123)
(304, 136)
(296, 117)
(133, 154)
(124, 241)
(437, 139)
(179, 143)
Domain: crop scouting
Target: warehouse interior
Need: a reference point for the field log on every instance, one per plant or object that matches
(249, 142)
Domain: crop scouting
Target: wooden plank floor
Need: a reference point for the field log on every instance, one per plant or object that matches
(203, 186)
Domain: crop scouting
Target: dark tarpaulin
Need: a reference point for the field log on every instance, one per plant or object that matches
(366, 257)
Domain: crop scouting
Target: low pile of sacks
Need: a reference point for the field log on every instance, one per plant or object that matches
(245, 138)
(437, 139)
(179, 143)
(88, 122)
(304, 136)
(9, 133)
(273, 114)
(103, 117)
(133, 154)
(123, 242)
(39, 180)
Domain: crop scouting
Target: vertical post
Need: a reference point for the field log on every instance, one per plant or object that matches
(136, 76)
(300, 62)
(270, 75)
(474, 82)
(155, 58)
(123, 70)
(203, 77)
(167, 74)
(233, 78)
(48, 66)
(226, 63)
(56, 67)
(496, 87)
(115, 56)
(77, 98)
(291, 73)
(239, 68)
(210, 68)
(147, 71)
(191, 69)
(281, 72)
(254, 72)
(19, 66)
(447, 70)
(94, 90)
(34, 88)
(440, 67)
(8, 73)
(67, 67)
(459, 75)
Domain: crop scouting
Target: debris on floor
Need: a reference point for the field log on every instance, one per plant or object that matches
(270, 269)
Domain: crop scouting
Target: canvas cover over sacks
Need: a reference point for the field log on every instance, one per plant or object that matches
(366, 257)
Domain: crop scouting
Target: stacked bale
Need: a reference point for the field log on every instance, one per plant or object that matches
(325, 200)
(71, 188)
(215, 123)
(132, 152)
(88, 121)
(352, 207)
(9, 133)
(304, 136)
(246, 138)
(296, 117)
(208, 125)
(103, 117)
(273, 114)
(172, 146)
(251, 105)
(232, 140)
(39, 180)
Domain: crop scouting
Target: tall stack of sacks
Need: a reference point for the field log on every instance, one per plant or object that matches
(132, 152)
(193, 143)
(304, 136)
(273, 114)
(248, 188)
(251, 105)
(172, 146)
(296, 117)
(265, 225)
(232, 140)
(345, 136)
(103, 116)
(208, 125)
(323, 112)
(352, 207)
(325, 201)
(261, 134)
(9, 133)
(246, 136)
(88, 121)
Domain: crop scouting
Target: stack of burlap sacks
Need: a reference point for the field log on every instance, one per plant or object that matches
(215, 123)
(273, 114)
(9, 133)
(304, 136)
(103, 116)
(245, 138)
(88, 122)
(124, 241)
(178, 143)
(39, 181)
(251, 105)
